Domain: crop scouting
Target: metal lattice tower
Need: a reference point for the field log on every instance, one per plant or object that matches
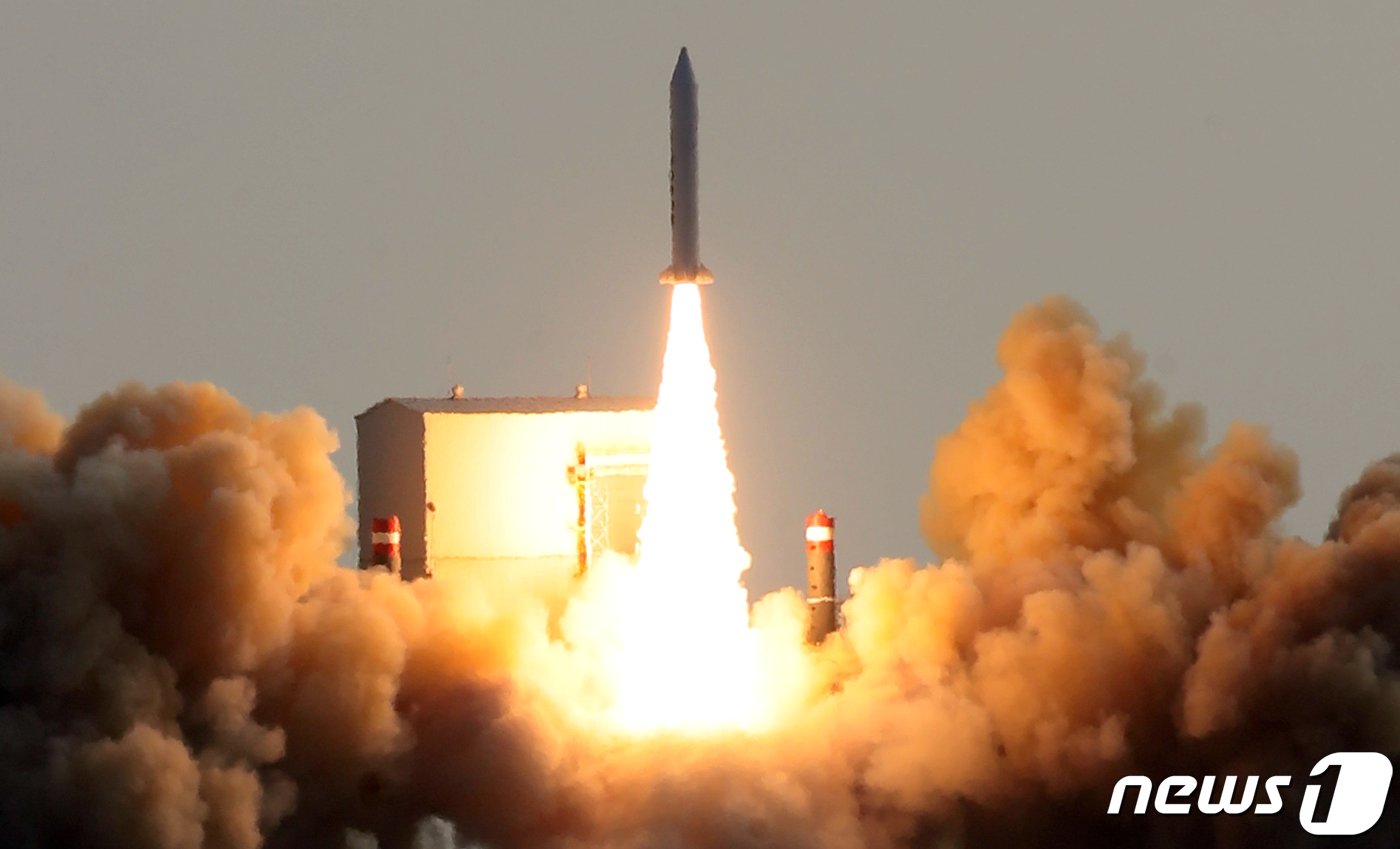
(598, 520)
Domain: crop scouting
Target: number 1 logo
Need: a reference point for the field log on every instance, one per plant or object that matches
(1362, 782)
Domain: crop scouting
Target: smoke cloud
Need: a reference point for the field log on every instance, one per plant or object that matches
(183, 665)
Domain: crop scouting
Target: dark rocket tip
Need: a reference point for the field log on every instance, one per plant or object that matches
(683, 73)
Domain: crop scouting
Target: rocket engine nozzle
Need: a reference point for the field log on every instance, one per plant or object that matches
(699, 274)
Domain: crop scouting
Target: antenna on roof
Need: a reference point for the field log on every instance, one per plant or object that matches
(581, 391)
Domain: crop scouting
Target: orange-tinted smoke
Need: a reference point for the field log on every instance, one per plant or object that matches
(182, 664)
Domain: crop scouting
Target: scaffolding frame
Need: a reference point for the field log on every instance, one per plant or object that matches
(594, 511)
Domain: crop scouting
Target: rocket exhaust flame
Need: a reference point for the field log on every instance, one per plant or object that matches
(687, 659)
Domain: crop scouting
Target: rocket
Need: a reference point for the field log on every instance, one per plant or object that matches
(685, 205)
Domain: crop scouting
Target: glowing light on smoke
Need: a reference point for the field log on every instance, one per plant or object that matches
(686, 658)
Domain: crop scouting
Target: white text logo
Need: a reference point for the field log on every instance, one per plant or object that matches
(1359, 783)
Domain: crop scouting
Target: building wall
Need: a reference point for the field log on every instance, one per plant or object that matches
(389, 460)
(499, 486)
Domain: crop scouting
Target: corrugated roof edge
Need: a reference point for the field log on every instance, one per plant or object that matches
(527, 404)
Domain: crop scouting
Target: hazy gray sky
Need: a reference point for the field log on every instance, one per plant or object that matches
(327, 203)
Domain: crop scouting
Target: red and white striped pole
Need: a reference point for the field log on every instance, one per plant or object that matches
(385, 535)
(821, 576)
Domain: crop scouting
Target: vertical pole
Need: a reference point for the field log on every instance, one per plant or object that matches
(579, 476)
(821, 576)
(386, 534)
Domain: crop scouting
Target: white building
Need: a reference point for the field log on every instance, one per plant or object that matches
(504, 490)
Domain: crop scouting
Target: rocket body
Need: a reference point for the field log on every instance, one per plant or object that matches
(685, 202)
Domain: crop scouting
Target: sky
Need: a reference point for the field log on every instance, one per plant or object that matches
(327, 204)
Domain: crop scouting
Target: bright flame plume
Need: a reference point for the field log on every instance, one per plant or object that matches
(687, 658)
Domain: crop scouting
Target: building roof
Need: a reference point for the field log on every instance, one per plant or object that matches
(526, 404)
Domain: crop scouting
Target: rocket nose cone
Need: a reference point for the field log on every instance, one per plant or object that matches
(683, 74)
